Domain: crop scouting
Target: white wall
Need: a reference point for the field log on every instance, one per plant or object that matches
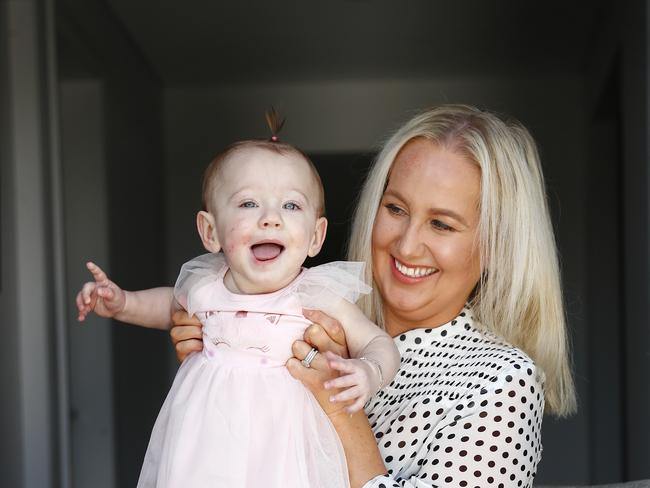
(356, 116)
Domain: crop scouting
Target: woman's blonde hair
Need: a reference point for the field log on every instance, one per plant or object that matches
(519, 296)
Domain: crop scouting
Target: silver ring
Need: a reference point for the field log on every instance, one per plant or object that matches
(309, 357)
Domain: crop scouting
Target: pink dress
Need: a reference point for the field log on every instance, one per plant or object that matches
(234, 417)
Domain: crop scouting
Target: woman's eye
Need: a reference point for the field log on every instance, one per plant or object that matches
(394, 209)
(438, 224)
(291, 206)
(248, 204)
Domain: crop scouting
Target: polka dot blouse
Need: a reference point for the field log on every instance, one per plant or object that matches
(465, 410)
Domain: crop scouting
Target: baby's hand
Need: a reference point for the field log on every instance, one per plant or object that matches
(360, 378)
(101, 296)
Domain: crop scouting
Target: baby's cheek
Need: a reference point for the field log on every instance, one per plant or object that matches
(236, 240)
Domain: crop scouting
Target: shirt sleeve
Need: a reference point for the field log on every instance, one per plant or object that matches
(493, 439)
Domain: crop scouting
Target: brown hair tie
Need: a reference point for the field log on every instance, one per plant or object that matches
(275, 123)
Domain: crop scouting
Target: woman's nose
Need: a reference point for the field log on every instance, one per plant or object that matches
(409, 240)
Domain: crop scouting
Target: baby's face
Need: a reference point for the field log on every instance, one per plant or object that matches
(265, 207)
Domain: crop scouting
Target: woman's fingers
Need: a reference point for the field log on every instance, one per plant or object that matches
(184, 348)
(181, 317)
(300, 350)
(186, 334)
(180, 333)
(317, 335)
(332, 326)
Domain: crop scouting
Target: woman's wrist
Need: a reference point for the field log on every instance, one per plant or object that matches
(360, 446)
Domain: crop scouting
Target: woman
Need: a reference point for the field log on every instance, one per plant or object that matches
(454, 222)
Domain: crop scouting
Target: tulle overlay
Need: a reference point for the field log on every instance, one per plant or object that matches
(234, 417)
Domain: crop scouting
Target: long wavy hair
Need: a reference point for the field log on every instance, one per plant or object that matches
(519, 294)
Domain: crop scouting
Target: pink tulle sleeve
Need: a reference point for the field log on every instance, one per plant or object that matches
(194, 275)
(322, 286)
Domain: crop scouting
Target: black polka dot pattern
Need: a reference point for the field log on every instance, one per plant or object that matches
(465, 410)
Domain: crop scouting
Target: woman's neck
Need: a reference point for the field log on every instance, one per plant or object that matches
(396, 323)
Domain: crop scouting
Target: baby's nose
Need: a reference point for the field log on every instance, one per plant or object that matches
(271, 219)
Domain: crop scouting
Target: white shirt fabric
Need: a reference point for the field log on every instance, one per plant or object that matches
(465, 410)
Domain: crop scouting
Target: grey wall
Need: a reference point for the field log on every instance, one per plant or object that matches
(107, 83)
(10, 432)
(28, 380)
(90, 346)
(619, 243)
(354, 117)
(636, 206)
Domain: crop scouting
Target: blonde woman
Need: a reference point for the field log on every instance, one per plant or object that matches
(454, 224)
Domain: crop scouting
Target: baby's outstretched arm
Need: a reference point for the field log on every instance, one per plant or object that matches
(375, 358)
(148, 308)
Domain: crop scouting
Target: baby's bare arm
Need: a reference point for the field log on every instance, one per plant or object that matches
(147, 308)
(366, 340)
(375, 358)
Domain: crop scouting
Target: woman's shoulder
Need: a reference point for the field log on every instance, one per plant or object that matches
(504, 359)
(470, 347)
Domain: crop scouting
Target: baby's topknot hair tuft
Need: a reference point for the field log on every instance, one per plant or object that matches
(275, 122)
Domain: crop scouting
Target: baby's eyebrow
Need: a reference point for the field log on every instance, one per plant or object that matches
(302, 195)
(237, 194)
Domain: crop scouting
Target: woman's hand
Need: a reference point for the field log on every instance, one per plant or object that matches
(325, 334)
(186, 334)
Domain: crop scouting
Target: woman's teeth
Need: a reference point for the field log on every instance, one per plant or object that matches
(417, 272)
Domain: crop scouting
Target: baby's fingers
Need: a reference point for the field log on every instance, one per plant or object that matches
(345, 395)
(341, 382)
(98, 273)
(82, 307)
(356, 406)
(87, 292)
(106, 292)
(339, 364)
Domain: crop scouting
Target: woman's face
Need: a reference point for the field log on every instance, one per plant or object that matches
(424, 242)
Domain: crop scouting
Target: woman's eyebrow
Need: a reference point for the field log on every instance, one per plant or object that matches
(433, 210)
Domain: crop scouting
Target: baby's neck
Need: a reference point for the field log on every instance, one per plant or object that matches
(242, 287)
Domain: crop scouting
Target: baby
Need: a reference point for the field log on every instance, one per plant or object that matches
(234, 417)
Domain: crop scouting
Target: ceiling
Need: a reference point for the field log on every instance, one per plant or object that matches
(213, 41)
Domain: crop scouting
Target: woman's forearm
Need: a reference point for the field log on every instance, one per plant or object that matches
(360, 446)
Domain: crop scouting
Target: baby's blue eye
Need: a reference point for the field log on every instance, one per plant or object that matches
(291, 206)
(248, 204)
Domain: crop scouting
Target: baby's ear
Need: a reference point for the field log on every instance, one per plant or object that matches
(318, 237)
(208, 231)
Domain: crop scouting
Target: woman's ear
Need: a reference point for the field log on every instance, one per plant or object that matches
(208, 231)
(318, 238)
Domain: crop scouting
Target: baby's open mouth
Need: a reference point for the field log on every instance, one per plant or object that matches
(265, 251)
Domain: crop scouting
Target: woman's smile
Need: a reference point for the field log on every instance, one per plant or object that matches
(411, 273)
